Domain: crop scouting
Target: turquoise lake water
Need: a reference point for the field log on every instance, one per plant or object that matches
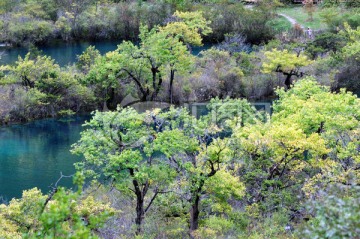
(34, 154)
(66, 53)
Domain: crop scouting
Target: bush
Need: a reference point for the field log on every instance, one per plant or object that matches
(349, 75)
(235, 19)
(23, 30)
(337, 215)
(336, 22)
(325, 42)
(352, 3)
(259, 86)
(216, 75)
(28, 105)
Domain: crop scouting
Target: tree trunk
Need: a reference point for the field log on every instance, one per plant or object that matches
(140, 212)
(156, 87)
(195, 203)
(105, 107)
(145, 95)
(195, 200)
(172, 75)
(154, 72)
(110, 98)
(288, 81)
(194, 214)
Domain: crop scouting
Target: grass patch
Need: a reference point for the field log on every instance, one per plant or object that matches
(301, 17)
(280, 24)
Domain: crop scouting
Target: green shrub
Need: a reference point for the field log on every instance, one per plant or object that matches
(337, 215)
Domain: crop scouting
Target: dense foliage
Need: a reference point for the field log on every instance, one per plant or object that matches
(233, 173)
(40, 21)
(222, 175)
(161, 67)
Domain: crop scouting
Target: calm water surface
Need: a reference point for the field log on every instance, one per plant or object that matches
(34, 154)
(66, 53)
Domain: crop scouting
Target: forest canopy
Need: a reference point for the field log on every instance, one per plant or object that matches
(235, 172)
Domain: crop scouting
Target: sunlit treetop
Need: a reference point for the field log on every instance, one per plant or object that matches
(284, 60)
(190, 27)
(352, 48)
(315, 109)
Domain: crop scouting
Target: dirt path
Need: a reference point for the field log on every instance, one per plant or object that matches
(290, 19)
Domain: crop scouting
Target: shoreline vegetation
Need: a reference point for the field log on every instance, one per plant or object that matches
(40, 22)
(228, 70)
(233, 173)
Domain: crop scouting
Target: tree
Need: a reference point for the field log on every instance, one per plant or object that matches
(217, 74)
(352, 48)
(30, 72)
(117, 146)
(87, 59)
(171, 153)
(198, 167)
(309, 7)
(61, 214)
(44, 88)
(161, 49)
(335, 118)
(63, 26)
(6, 6)
(336, 214)
(200, 156)
(189, 27)
(285, 62)
(73, 9)
(275, 163)
(171, 53)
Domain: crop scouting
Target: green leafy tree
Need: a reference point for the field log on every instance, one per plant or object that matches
(117, 146)
(63, 26)
(61, 214)
(73, 9)
(46, 88)
(170, 52)
(274, 162)
(202, 159)
(6, 6)
(352, 48)
(129, 149)
(336, 214)
(199, 164)
(87, 59)
(335, 118)
(309, 144)
(161, 50)
(30, 72)
(285, 62)
(189, 27)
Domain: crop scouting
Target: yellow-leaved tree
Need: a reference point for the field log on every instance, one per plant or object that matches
(285, 62)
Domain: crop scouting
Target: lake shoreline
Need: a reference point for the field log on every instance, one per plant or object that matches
(65, 53)
(84, 113)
